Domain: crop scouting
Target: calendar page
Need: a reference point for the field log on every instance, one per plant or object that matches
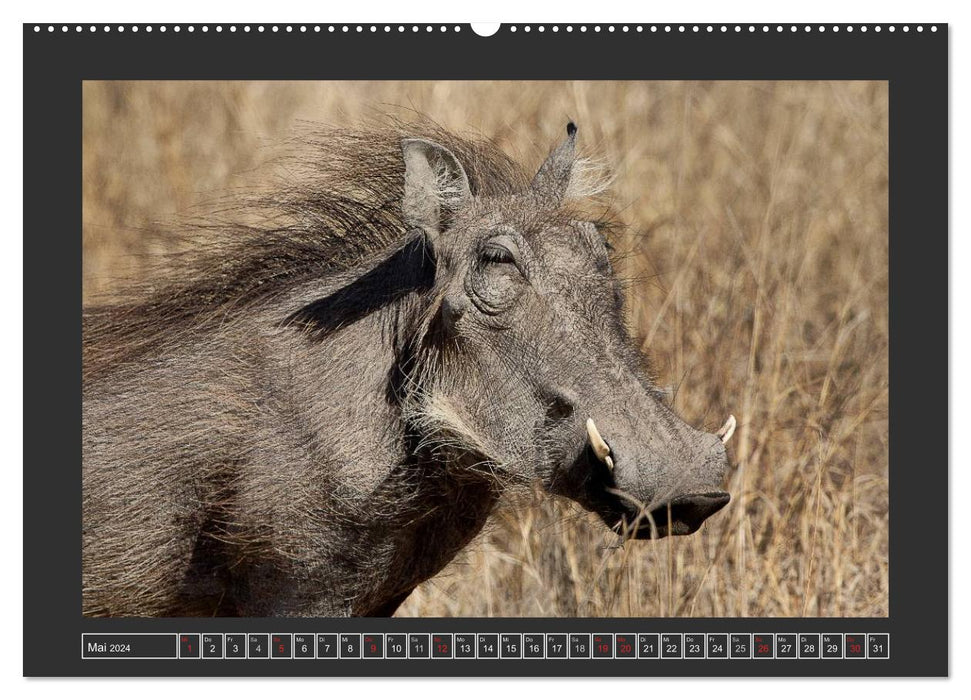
(449, 349)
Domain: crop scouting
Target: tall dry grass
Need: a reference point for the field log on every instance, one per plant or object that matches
(757, 246)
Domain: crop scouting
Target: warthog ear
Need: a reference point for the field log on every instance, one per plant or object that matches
(435, 184)
(553, 177)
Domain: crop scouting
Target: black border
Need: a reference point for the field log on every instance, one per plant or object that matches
(916, 66)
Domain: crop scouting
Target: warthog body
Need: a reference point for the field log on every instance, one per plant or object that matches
(313, 417)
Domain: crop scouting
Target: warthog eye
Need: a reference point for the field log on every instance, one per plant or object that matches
(497, 277)
(495, 253)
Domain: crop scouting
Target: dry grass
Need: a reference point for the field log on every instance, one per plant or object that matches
(758, 246)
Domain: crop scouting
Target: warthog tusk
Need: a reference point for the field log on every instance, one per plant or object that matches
(599, 445)
(727, 430)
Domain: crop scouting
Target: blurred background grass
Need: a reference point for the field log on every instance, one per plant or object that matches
(757, 243)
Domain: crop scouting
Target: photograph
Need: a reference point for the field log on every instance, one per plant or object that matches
(485, 349)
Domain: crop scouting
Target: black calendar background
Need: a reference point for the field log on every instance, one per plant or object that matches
(915, 64)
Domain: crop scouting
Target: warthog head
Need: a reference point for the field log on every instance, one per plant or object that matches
(526, 363)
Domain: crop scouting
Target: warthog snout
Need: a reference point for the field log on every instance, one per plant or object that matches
(682, 515)
(666, 484)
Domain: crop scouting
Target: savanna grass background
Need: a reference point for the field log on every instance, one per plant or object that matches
(756, 247)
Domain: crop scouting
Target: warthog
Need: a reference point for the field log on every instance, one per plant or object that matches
(315, 415)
